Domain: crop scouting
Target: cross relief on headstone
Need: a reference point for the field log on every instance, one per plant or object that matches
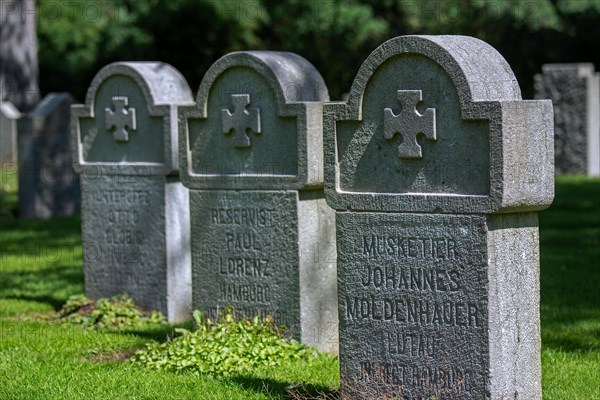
(242, 120)
(409, 123)
(122, 119)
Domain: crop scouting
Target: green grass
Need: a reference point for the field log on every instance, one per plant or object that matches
(8, 191)
(40, 266)
(570, 291)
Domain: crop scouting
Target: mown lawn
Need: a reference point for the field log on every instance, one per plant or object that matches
(40, 266)
(570, 291)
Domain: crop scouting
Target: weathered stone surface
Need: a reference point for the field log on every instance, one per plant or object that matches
(251, 150)
(48, 186)
(8, 133)
(438, 260)
(248, 254)
(575, 93)
(135, 215)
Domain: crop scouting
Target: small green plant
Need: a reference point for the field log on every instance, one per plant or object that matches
(224, 347)
(118, 312)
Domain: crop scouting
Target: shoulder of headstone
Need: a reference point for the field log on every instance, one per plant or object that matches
(50, 102)
(161, 83)
(521, 132)
(296, 89)
(478, 70)
(8, 110)
(294, 78)
(164, 89)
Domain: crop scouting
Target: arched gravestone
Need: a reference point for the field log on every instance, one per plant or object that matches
(436, 168)
(262, 233)
(135, 218)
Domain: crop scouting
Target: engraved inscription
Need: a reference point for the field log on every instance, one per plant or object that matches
(121, 119)
(242, 293)
(122, 236)
(409, 123)
(405, 310)
(412, 296)
(121, 197)
(241, 121)
(414, 345)
(416, 279)
(457, 380)
(245, 250)
(242, 216)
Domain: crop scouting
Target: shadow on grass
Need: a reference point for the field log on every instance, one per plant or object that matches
(49, 285)
(284, 390)
(159, 333)
(570, 266)
(54, 231)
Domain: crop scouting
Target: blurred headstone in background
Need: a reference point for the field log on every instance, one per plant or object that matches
(48, 186)
(575, 93)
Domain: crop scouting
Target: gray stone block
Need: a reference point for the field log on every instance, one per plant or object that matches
(135, 214)
(435, 167)
(251, 151)
(575, 93)
(48, 186)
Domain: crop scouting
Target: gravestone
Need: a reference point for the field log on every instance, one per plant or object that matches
(135, 218)
(48, 186)
(9, 116)
(262, 234)
(436, 168)
(575, 93)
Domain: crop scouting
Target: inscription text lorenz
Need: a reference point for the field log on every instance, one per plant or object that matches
(409, 123)
(241, 120)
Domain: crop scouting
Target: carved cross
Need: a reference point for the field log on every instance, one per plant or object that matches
(409, 123)
(242, 121)
(122, 118)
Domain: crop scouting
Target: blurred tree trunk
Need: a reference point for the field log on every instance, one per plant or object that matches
(18, 54)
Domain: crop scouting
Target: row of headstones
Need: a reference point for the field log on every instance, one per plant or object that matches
(435, 168)
(50, 188)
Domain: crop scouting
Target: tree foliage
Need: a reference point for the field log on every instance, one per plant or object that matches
(78, 37)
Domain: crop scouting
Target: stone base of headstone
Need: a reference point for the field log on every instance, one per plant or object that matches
(132, 230)
(427, 305)
(246, 254)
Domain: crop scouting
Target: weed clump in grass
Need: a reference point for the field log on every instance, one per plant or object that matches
(117, 312)
(224, 347)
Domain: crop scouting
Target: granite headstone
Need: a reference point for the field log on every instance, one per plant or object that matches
(48, 186)
(135, 219)
(262, 234)
(436, 168)
(9, 116)
(575, 93)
